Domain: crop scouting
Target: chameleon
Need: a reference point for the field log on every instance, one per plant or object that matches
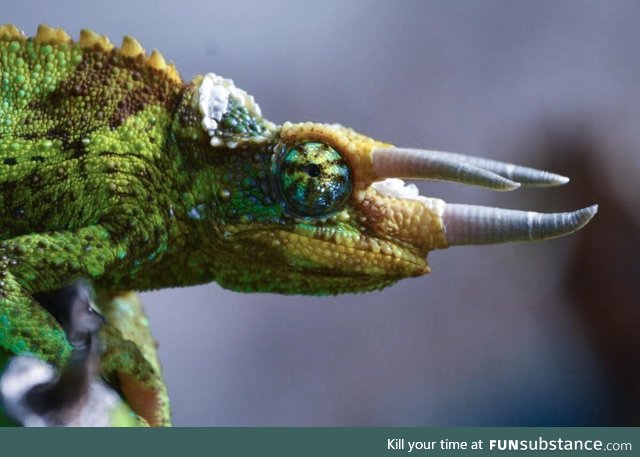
(115, 170)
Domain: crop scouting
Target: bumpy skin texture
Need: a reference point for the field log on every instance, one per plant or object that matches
(111, 171)
(115, 170)
(83, 137)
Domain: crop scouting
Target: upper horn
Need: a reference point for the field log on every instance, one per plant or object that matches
(390, 162)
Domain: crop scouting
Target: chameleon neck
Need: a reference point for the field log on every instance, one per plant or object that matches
(193, 219)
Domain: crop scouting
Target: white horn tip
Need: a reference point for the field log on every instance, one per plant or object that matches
(469, 224)
(510, 185)
(558, 180)
(586, 214)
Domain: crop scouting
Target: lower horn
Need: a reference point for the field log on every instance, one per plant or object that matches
(469, 224)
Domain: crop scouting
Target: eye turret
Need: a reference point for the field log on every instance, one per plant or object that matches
(314, 179)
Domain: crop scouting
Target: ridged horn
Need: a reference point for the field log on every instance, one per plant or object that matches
(421, 164)
(469, 224)
(523, 175)
(448, 166)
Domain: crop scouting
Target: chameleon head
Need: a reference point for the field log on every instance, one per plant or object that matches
(316, 208)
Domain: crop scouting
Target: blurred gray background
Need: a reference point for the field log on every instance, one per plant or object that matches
(540, 334)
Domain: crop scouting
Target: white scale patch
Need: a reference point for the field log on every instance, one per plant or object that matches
(215, 93)
(396, 188)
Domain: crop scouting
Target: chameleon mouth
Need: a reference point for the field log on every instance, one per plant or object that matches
(470, 224)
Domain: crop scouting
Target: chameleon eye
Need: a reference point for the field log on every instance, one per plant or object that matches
(314, 179)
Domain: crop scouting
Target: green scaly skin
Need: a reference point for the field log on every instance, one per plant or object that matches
(83, 135)
(109, 171)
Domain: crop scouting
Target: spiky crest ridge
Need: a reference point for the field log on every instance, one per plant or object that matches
(90, 40)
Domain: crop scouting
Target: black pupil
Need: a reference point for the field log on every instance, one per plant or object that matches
(313, 170)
